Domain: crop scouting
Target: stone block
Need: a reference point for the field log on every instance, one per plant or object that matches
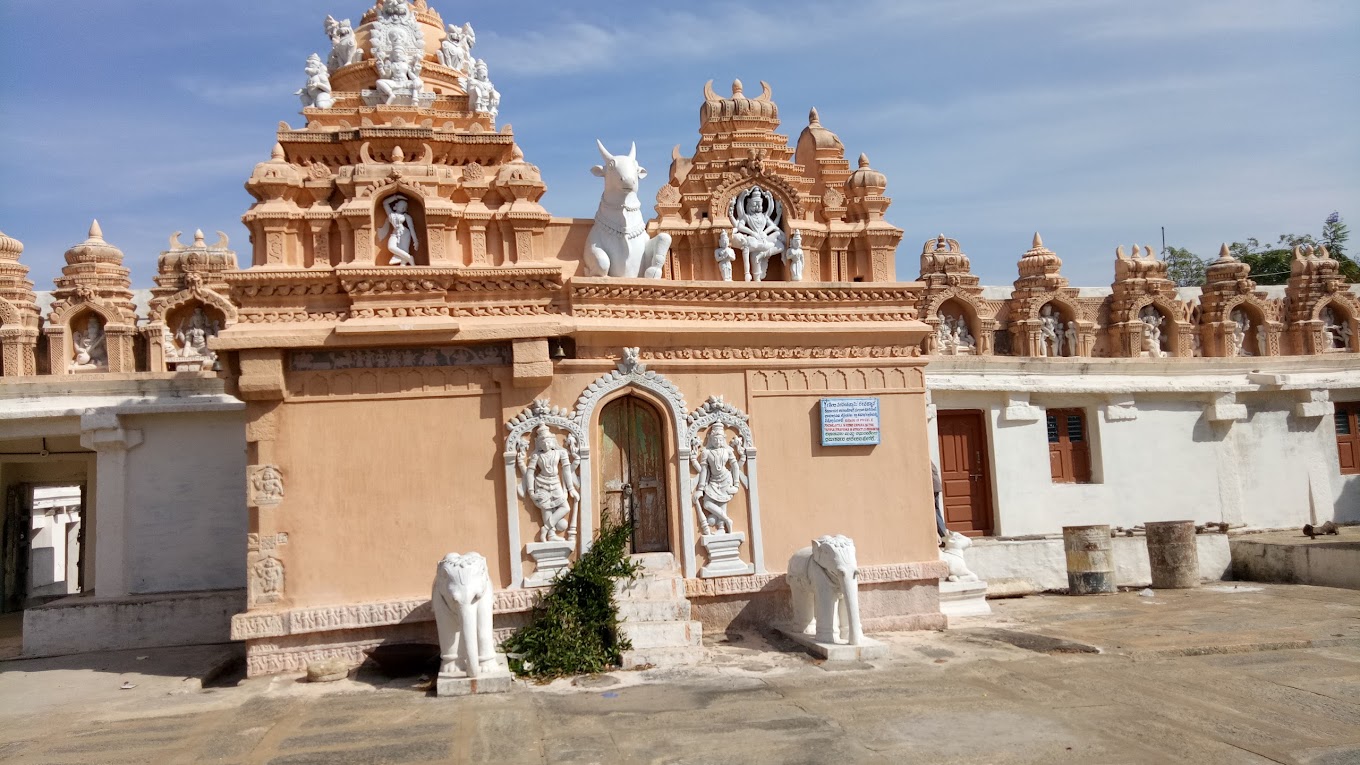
(964, 599)
(724, 556)
(550, 560)
(495, 682)
(866, 650)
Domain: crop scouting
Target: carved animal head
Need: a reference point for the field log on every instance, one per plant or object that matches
(462, 577)
(957, 542)
(620, 173)
(836, 555)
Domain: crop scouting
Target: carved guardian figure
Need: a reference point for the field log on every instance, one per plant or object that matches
(824, 582)
(462, 601)
(618, 244)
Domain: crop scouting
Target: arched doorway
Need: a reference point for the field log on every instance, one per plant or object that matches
(633, 471)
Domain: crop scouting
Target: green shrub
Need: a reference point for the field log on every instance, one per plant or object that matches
(574, 628)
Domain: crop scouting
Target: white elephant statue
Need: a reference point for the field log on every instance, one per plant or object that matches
(952, 554)
(462, 601)
(824, 581)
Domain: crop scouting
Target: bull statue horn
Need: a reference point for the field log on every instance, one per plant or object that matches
(764, 91)
(709, 95)
(175, 243)
(603, 151)
(632, 151)
(222, 241)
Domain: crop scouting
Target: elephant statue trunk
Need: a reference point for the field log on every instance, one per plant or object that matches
(824, 584)
(462, 601)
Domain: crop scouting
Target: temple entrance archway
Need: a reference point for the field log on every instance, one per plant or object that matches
(633, 471)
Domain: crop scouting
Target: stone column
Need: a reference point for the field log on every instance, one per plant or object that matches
(104, 434)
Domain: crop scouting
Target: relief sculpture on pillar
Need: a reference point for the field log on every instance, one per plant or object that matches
(547, 477)
(722, 469)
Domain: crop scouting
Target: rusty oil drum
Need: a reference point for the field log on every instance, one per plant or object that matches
(1090, 559)
(1172, 555)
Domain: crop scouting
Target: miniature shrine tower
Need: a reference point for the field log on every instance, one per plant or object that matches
(18, 312)
(92, 324)
(1146, 318)
(1321, 312)
(1046, 316)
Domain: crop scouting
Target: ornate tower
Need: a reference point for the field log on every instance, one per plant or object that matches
(1321, 312)
(1146, 316)
(190, 304)
(92, 323)
(18, 312)
(961, 322)
(743, 175)
(1235, 320)
(1046, 316)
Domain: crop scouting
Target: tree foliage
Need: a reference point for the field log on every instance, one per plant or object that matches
(574, 628)
(1270, 262)
(1184, 267)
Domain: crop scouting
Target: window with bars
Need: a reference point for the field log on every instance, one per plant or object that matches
(1348, 437)
(1069, 447)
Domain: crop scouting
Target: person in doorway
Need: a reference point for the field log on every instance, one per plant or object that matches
(939, 509)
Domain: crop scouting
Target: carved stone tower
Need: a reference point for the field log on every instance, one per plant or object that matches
(18, 312)
(837, 213)
(92, 323)
(190, 304)
(1321, 312)
(951, 294)
(1046, 316)
(1235, 319)
(1146, 316)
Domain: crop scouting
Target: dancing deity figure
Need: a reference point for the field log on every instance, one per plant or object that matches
(317, 91)
(793, 257)
(399, 231)
(344, 49)
(756, 232)
(719, 472)
(90, 350)
(725, 255)
(550, 483)
(482, 95)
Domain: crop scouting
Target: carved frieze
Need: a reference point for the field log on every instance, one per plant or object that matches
(266, 624)
(264, 485)
(390, 358)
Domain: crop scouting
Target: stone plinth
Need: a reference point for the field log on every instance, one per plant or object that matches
(964, 599)
(499, 681)
(724, 556)
(867, 649)
(550, 560)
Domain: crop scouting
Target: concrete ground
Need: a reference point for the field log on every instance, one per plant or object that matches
(1233, 673)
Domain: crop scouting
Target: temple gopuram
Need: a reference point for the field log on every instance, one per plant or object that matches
(412, 355)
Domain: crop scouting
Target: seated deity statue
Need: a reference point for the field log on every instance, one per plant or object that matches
(399, 76)
(725, 256)
(1336, 332)
(456, 50)
(192, 336)
(755, 231)
(944, 335)
(399, 232)
(963, 339)
(1152, 321)
(89, 346)
(793, 257)
(549, 480)
(482, 95)
(717, 483)
(317, 92)
(344, 49)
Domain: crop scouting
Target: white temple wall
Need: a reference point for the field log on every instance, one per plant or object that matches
(186, 524)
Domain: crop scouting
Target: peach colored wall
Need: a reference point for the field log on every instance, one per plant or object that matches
(878, 496)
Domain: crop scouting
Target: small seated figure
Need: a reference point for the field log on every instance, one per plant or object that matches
(191, 339)
(725, 256)
(482, 95)
(793, 257)
(952, 554)
(756, 232)
(399, 76)
(317, 92)
(963, 339)
(89, 346)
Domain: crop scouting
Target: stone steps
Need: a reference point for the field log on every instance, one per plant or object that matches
(648, 588)
(663, 634)
(654, 610)
(685, 656)
(656, 616)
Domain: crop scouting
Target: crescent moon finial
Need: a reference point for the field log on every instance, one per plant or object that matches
(175, 243)
(709, 95)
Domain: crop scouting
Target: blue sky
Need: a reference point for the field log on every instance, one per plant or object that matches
(1095, 122)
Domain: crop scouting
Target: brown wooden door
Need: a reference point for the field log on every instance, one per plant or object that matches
(965, 475)
(633, 471)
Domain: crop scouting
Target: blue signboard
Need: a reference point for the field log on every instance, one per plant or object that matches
(850, 422)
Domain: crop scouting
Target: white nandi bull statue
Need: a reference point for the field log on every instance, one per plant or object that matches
(618, 244)
(462, 601)
(824, 582)
(952, 554)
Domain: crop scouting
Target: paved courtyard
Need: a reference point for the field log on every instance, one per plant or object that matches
(1230, 674)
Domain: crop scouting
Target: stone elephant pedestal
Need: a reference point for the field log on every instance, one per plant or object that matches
(824, 587)
(461, 600)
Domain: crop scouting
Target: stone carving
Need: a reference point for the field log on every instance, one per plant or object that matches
(266, 486)
(344, 49)
(399, 231)
(456, 50)
(89, 347)
(793, 257)
(1237, 333)
(550, 480)
(1071, 334)
(317, 91)
(189, 349)
(953, 337)
(461, 600)
(952, 554)
(758, 233)
(720, 466)
(1153, 341)
(618, 244)
(398, 46)
(823, 583)
(1051, 332)
(483, 97)
(396, 358)
(725, 256)
(1336, 332)
(267, 579)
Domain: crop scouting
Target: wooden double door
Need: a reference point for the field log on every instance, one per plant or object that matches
(633, 471)
(965, 473)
